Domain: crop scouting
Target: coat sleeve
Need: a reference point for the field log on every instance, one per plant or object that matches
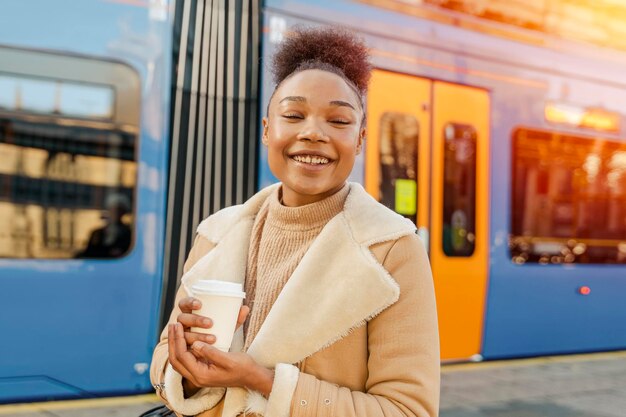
(403, 344)
(168, 382)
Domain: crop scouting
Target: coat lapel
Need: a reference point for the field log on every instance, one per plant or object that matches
(336, 287)
(226, 261)
(230, 230)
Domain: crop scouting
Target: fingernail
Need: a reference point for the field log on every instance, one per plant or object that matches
(206, 322)
(196, 304)
(209, 339)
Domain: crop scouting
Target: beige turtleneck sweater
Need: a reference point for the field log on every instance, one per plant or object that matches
(280, 237)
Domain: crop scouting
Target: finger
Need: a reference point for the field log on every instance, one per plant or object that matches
(173, 353)
(199, 357)
(191, 337)
(194, 320)
(188, 304)
(210, 353)
(243, 315)
(195, 367)
(184, 356)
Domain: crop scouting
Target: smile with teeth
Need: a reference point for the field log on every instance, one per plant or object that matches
(311, 159)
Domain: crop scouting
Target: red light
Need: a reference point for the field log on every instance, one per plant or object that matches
(584, 290)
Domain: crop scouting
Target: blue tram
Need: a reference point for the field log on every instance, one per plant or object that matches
(497, 127)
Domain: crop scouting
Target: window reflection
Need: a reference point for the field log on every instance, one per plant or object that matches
(113, 239)
(459, 190)
(41, 95)
(399, 137)
(67, 176)
(569, 199)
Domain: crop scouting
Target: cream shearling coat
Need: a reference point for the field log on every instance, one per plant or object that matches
(357, 317)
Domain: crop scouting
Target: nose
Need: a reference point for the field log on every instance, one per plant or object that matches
(313, 132)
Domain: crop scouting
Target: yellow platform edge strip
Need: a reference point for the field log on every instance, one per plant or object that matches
(75, 404)
(505, 363)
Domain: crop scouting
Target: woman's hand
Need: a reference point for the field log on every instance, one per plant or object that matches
(188, 319)
(206, 366)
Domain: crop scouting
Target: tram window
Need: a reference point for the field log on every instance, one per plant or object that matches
(459, 190)
(568, 199)
(399, 137)
(67, 168)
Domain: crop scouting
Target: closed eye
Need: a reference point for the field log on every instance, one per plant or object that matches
(292, 116)
(341, 121)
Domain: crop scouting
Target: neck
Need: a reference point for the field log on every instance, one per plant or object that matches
(291, 199)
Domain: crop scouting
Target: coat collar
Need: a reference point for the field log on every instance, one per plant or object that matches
(362, 213)
(337, 286)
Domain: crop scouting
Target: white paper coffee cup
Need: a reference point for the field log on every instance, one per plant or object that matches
(221, 302)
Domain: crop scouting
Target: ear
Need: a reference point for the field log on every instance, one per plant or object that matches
(359, 144)
(264, 137)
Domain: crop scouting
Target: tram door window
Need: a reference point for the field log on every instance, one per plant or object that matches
(569, 199)
(459, 190)
(399, 138)
(67, 157)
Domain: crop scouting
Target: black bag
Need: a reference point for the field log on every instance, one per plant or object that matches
(160, 411)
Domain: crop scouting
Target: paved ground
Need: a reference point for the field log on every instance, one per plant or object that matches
(565, 386)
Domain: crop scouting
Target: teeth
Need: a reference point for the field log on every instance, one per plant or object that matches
(310, 159)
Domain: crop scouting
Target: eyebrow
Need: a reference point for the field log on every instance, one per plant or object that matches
(342, 103)
(301, 99)
(293, 98)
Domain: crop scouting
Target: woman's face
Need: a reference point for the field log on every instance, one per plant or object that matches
(313, 133)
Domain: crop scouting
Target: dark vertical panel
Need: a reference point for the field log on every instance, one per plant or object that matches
(214, 120)
(218, 156)
(243, 11)
(247, 111)
(198, 192)
(177, 130)
(210, 147)
(191, 82)
(229, 81)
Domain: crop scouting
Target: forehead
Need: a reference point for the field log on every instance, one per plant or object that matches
(317, 85)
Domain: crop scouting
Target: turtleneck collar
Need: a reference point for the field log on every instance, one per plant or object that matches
(309, 216)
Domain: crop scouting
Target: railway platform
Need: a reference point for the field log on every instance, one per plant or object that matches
(591, 385)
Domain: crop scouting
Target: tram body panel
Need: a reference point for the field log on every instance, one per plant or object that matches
(536, 309)
(87, 327)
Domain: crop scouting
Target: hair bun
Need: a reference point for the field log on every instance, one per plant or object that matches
(334, 46)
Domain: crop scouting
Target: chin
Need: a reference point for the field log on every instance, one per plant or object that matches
(310, 190)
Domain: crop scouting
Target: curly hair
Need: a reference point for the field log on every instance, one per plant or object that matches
(330, 49)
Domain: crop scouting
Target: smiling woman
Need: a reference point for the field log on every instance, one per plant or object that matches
(340, 317)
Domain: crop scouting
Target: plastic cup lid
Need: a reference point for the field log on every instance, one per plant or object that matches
(214, 286)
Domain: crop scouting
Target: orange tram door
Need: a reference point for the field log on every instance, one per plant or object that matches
(427, 159)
